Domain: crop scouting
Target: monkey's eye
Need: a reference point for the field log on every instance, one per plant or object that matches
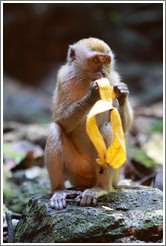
(96, 59)
(107, 60)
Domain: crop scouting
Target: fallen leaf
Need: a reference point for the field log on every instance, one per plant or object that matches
(154, 147)
(107, 208)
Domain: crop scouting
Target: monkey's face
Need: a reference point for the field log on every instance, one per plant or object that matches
(92, 65)
(91, 59)
(98, 66)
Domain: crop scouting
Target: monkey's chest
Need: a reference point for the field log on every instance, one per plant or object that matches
(103, 118)
(82, 141)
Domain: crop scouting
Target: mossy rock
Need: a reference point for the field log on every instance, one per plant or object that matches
(136, 213)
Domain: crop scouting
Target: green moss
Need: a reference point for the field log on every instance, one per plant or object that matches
(117, 231)
(7, 193)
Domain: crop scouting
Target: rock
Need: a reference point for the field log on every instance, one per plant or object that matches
(32, 132)
(35, 133)
(32, 173)
(135, 216)
(24, 154)
(22, 147)
(24, 104)
(28, 174)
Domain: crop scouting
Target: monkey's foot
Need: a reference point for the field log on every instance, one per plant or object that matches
(58, 200)
(90, 196)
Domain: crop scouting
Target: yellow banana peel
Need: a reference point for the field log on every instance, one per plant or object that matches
(115, 155)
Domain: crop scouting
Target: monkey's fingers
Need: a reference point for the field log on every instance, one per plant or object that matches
(74, 194)
(122, 92)
(94, 201)
(62, 204)
(121, 89)
(84, 201)
(58, 202)
(88, 200)
(78, 199)
(94, 91)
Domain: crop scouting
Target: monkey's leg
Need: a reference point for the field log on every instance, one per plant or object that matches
(104, 185)
(107, 179)
(111, 174)
(61, 158)
(54, 159)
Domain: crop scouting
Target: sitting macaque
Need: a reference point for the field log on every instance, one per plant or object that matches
(69, 153)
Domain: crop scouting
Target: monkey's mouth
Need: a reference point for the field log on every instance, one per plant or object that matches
(99, 75)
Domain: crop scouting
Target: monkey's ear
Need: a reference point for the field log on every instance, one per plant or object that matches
(71, 54)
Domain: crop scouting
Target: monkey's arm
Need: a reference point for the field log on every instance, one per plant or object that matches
(125, 109)
(126, 114)
(69, 117)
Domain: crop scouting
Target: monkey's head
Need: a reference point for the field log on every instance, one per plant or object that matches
(90, 58)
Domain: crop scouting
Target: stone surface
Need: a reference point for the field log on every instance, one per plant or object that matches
(130, 214)
(34, 133)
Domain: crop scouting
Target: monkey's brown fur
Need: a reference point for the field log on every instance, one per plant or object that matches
(69, 152)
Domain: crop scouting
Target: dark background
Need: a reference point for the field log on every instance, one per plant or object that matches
(36, 38)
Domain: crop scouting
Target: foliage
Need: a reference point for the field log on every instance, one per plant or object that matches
(157, 126)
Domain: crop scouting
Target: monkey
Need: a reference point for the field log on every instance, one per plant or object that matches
(69, 153)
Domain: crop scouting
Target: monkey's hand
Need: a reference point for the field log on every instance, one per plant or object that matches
(90, 196)
(122, 92)
(93, 93)
(58, 200)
